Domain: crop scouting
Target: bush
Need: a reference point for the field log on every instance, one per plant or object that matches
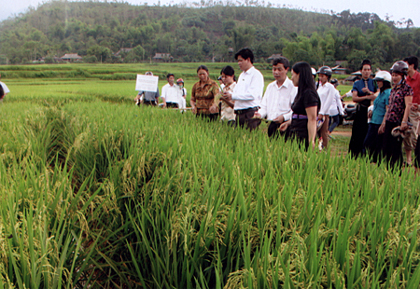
(90, 59)
(49, 59)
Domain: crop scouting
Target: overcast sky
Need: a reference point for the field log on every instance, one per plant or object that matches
(395, 9)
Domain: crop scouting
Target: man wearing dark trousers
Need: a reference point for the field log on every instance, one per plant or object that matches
(248, 90)
(278, 98)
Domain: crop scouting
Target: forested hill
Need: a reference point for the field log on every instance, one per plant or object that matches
(96, 30)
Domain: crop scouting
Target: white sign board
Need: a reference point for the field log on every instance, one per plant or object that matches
(147, 83)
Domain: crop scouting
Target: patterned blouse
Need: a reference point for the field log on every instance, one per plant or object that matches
(227, 112)
(397, 102)
(204, 97)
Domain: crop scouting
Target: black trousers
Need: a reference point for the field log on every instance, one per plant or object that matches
(298, 130)
(373, 142)
(359, 131)
(273, 130)
(245, 118)
(210, 117)
(392, 146)
(147, 102)
(172, 105)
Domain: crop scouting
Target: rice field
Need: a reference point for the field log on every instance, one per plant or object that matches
(98, 193)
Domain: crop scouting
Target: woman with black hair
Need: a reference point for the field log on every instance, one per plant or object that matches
(395, 121)
(226, 112)
(373, 141)
(363, 93)
(204, 95)
(305, 107)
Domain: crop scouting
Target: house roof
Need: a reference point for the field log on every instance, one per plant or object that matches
(122, 50)
(273, 56)
(162, 56)
(338, 67)
(71, 56)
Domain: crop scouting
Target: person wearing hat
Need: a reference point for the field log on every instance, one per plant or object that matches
(183, 99)
(373, 140)
(313, 70)
(326, 92)
(148, 97)
(363, 93)
(397, 114)
(336, 108)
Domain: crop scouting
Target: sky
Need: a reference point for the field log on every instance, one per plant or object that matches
(395, 9)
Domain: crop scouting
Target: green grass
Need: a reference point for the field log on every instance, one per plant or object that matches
(98, 193)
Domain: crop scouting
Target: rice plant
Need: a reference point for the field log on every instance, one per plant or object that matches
(104, 194)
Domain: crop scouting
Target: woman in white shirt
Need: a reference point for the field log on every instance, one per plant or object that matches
(326, 92)
(226, 106)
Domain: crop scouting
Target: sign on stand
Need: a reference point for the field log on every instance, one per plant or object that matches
(147, 82)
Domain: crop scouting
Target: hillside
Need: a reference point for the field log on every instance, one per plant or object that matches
(97, 30)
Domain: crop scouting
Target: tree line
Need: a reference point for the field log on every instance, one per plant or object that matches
(97, 30)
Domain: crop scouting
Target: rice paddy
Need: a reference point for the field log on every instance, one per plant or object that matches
(98, 193)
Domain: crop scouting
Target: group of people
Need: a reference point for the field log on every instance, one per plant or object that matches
(395, 114)
(303, 107)
(291, 106)
(172, 95)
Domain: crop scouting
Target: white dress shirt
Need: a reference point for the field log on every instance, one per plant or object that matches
(249, 89)
(336, 105)
(326, 94)
(171, 93)
(278, 100)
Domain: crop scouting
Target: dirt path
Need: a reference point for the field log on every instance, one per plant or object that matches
(342, 133)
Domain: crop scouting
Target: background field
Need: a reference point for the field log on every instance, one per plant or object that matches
(98, 193)
(116, 80)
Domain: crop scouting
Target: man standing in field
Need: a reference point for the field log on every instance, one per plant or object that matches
(278, 98)
(248, 90)
(171, 93)
(148, 97)
(5, 90)
(413, 80)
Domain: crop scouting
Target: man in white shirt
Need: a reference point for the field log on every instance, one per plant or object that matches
(171, 93)
(248, 90)
(5, 89)
(278, 97)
